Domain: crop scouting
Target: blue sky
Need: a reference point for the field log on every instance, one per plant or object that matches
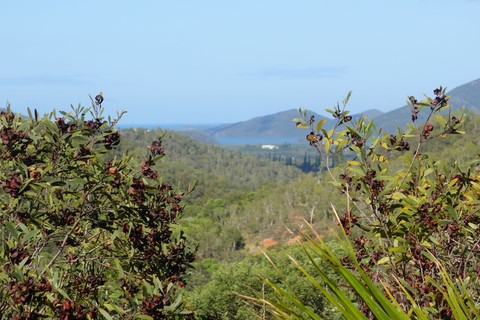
(227, 61)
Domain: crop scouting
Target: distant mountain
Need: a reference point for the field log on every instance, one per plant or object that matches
(371, 114)
(280, 128)
(467, 95)
(278, 125)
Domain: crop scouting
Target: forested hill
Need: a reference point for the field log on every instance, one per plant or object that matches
(218, 172)
(239, 199)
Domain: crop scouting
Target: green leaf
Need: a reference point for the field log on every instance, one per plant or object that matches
(428, 171)
(473, 225)
(27, 237)
(105, 314)
(77, 181)
(441, 120)
(57, 183)
(175, 304)
(22, 263)
(394, 250)
(112, 307)
(354, 163)
(453, 213)
(357, 170)
(347, 98)
(11, 230)
(18, 273)
(435, 241)
(301, 125)
(79, 138)
(398, 196)
(330, 133)
(63, 293)
(327, 145)
(320, 124)
(383, 260)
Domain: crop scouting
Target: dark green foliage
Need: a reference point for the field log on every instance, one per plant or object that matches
(84, 234)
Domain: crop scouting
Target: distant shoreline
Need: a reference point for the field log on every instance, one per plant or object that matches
(170, 126)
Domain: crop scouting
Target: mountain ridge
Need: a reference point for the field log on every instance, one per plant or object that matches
(279, 125)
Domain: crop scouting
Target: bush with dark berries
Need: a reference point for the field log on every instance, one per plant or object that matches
(85, 234)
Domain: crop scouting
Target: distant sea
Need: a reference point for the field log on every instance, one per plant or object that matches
(257, 140)
(170, 126)
(221, 140)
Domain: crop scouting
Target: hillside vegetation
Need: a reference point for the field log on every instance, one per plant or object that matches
(232, 187)
(238, 199)
(241, 204)
(243, 209)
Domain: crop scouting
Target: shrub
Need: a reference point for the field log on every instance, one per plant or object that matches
(84, 234)
(412, 220)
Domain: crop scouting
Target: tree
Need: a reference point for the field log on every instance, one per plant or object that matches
(85, 234)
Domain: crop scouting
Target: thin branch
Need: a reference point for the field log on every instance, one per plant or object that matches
(62, 246)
